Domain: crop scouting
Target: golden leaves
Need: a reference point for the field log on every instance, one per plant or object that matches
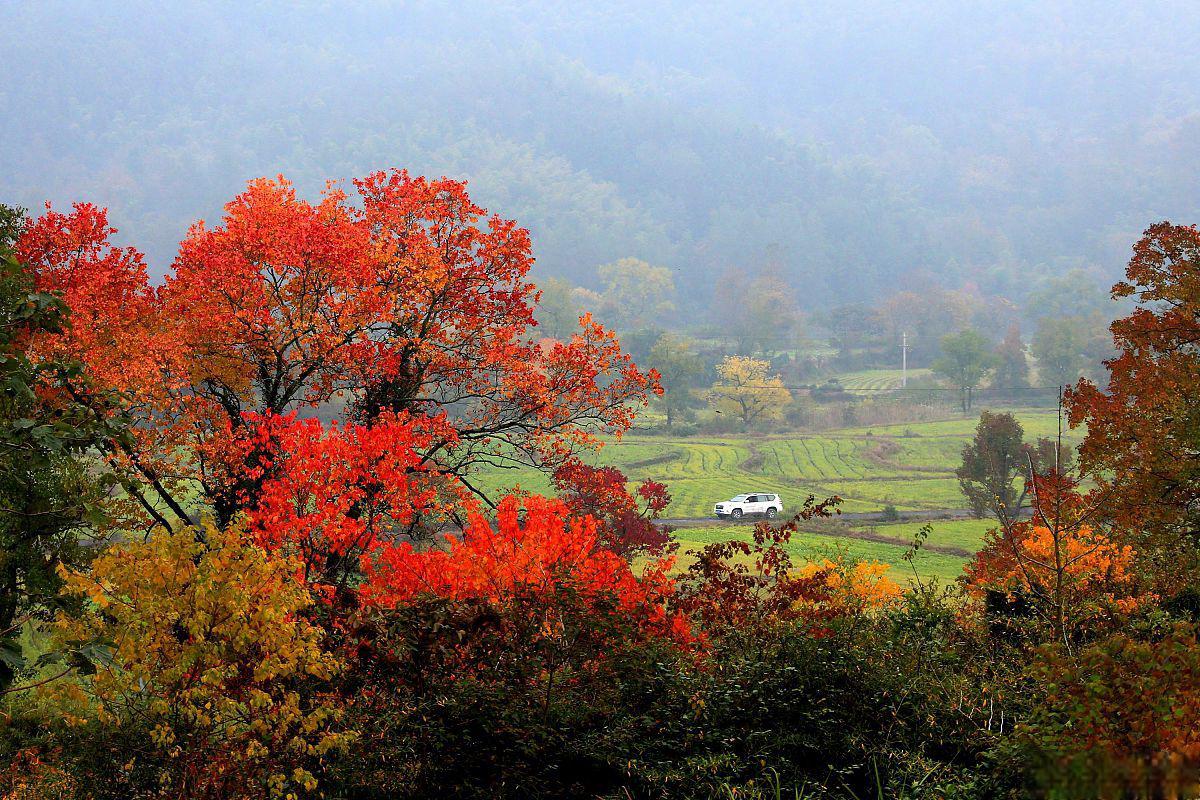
(207, 644)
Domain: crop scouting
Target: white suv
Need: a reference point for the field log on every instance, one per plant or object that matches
(770, 505)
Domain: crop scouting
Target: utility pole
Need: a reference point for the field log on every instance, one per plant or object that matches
(904, 360)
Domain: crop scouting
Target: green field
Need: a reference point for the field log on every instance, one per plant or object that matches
(962, 534)
(910, 466)
(809, 545)
(878, 380)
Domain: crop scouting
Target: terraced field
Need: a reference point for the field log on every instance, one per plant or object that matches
(878, 380)
(909, 466)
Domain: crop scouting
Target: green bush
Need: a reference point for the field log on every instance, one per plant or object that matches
(475, 700)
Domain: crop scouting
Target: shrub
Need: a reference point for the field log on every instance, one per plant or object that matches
(1121, 718)
(541, 692)
(205, 680)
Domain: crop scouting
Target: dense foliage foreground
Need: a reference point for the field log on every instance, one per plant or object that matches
(206, 591)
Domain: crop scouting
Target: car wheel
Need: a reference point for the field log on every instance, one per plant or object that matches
(736, 513)
(772, 513)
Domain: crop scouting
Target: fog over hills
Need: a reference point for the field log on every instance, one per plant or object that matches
(860, 147)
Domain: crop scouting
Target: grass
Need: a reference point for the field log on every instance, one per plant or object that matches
(878, 380)
(910, 466)
(1035, 423)
(806, 546)
(964, 534)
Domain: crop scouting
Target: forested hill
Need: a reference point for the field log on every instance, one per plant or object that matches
(855, 147)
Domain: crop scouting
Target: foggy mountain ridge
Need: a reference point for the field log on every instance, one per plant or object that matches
(862, 148)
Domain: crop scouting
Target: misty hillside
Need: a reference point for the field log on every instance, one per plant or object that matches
(855, 147)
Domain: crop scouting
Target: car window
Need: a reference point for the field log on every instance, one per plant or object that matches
(751, 499)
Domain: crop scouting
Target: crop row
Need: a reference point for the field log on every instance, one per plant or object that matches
(811, 546)
(908, 466)
(878, 380)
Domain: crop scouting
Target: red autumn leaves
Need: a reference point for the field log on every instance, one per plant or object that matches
(536, 545)
(407, 313)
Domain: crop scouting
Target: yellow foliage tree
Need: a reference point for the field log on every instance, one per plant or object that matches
(206, 653)
(745, 390)
(848, 587)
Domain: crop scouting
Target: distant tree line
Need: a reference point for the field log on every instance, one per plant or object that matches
(959, 342)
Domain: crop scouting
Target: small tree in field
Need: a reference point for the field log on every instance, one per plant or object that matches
(678, 366)
(1012, 367)
(994, 459)
(745, 390)
(966, 360)
(991, 463)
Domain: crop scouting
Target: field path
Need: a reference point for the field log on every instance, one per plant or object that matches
(842, 532)
(849, 516)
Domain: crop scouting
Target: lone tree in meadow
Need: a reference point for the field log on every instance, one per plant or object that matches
(678, 367)
(745, 390)
(996, 457)
(991, 463)
(966, 360)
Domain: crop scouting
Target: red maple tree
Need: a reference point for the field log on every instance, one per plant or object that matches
(1143, 429)
(538, 546)
(406, 311)
(626, 519)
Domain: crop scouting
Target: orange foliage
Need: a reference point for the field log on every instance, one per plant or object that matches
(535, 546)
(1095, 569)
(112, 306)
(1144, 429)
(402, 305)
(840, 588)
(1074, 576)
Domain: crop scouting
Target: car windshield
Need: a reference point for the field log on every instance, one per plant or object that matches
(739, 498)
